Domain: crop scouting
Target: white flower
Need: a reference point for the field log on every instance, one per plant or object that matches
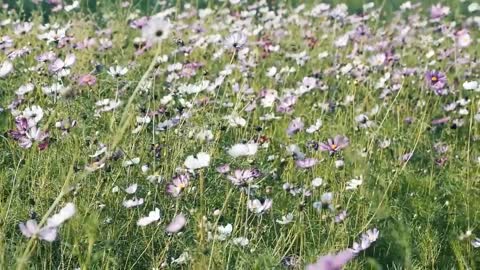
(33, 114)
(354, 183)
(257, 207)
(236, 41)
(317, 182)
(201, 160)
(342, 41)
(224, 231)
(240, 149)
(313, 128)
(377, 59)
(182, 259)
(71, 7)
(473, 7)
(235, 121)
(471, 85)
(157, 29)
(117, 71)
(65, 213)
(26, 88)
(152, 217)
(240, 241)
(133, 202)
(476, 242)
(131, 189)
(234, 2)
(5, 69)
(204, 135)
(271, 71)
(133, 161)
(285, 219)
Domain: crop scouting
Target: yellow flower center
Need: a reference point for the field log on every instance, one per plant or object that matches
(182, 186)
(434, 79)
(334, 146)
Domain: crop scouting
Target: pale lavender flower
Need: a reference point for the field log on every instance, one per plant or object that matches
(178, 184)
(334, 145)
(295, 126)
(332, 261)
(176, 224)
(306, 163)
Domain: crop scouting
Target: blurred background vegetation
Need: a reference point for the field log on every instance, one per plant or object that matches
(26, 7)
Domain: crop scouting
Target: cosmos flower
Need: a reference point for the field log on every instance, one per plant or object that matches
(240, 149)
(243, 177)
(437, 81)
(177, 223)
(306, 163)
(366, 240)
(236, 41)
(332, 261)
(295, 126)
(438, 11)
(87, 80)
(199, 161)
(258, 207)
(334, 145)
(178, 184)
(152, 217)
(5, 69)
(117, 71)
(156, 29)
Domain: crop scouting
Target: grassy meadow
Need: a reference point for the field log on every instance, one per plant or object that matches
(239, 135)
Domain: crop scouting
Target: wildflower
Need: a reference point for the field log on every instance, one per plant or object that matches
(341, 217)
(286, 104)
(462, 38)
(178, 184)
(326, 202)
(131, 189)
(133, 202)
(58, 65)
(317, 182)
(225, 168)
(332, 262)
(354, 183)
(152, 217)
(24, 89)
(295, 126)
(306, 163)
(26, 135)
(285, 219)
(49, 232)
(334, 145)
(87, 80)
(366, 240)
(117, 71)
(239, 150)
(156, 29)
(438, 11)
(5, 69)
(313, 128)
(224, 232)
(201, 160)
(437, 81)
(176, 224)
(259, 207)
(475, 242)
(236, 41)
(240, 241)
(130, 162)
(243, 177)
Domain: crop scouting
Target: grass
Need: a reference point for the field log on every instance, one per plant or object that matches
(419, 207)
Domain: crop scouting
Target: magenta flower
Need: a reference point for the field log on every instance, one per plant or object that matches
(332, 261)
(437, 81)
(334, 145)
(178, 184)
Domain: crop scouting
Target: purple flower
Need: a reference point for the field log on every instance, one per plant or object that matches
(178, 184)
(306, 163)
(334, 145)
(438, 11)
(295, 126)
(243, 177)
(437, 81)
(332, 261)
(286, 104)
(26, 136)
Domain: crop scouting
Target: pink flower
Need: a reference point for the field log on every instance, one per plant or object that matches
(87, 80)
